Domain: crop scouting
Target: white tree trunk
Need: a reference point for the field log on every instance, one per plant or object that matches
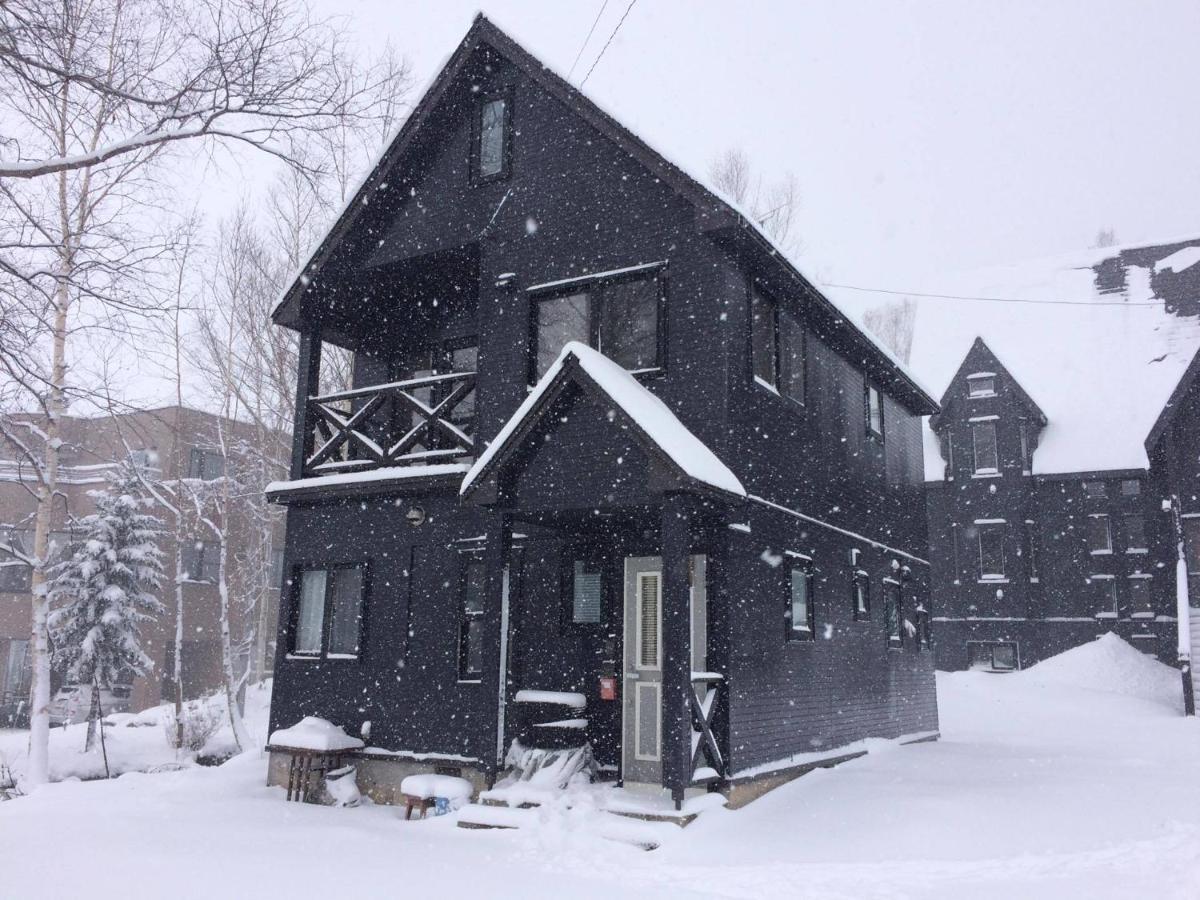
(240, 737)
(38, 771)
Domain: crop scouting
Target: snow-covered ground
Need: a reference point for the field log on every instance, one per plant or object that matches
(1077, 778)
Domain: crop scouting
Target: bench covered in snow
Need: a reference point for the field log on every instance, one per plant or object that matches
(421, 791)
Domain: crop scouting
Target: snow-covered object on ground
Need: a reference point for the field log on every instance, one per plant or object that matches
(1112, 665)
(342, 786)
(561, 698)
(549, 769)
(314, 733)
(650, 414)
(1100, 366)
(429, 787)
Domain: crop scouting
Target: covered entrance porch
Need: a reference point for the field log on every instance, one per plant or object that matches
(604, 557)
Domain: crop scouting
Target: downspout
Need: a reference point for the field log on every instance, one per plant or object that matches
(1182, 608)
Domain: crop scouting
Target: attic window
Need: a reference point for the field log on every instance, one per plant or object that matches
(492, 139)
(873, 408)
(982, 384)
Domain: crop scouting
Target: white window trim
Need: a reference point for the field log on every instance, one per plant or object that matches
(975, 419)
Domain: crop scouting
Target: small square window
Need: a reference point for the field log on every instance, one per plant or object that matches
(799, 613)
(981, 386)
(1131, 487)
(328, 616)
(1095, 490)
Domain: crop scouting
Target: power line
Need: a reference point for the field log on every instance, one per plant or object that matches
(632, 3)
(854, 287)
(583, 46)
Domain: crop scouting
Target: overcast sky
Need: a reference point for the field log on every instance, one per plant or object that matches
(924, 135)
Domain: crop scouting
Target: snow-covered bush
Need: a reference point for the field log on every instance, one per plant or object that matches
(201, 720)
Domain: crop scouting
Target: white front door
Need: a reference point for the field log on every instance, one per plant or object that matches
(642, 697)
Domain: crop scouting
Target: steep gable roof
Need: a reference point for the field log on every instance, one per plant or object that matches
(979, 359)
(1174, 403)
(713, 211)
(648, 419)
(1101, 364)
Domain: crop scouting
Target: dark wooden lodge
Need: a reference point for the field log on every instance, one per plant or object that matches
(705, 516)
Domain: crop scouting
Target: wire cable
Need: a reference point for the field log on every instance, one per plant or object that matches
(596, 62)
(583, 46)
(854, 287)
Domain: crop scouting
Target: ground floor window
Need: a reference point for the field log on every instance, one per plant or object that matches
(586, 591)
(470, 627)
(329, 612)
(993, 656)
(892, 614)
(799, 612)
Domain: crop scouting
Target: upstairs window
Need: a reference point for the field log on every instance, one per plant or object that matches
(1095, 490)
(873, 411)
(1135, 532)
(619, 317)
(1139, 595)
(981, 385)
(492, 139)
(799, 612)
(987, 458)
(1099, 536)
(206, 465)
(1131, 487)
(991, 552)
(777, 347)
(1108, 603)
(329, 612)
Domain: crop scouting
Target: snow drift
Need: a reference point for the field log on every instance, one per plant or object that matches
(1111, 665)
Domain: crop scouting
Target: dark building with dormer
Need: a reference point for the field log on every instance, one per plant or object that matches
(1047, 528)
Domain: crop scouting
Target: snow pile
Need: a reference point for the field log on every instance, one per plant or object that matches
(1111, 665)
(427, 787)
(647, 411)
(314, 733)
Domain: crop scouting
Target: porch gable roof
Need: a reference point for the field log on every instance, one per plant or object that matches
(649, 419)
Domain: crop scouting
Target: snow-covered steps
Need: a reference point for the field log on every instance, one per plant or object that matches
(590, 823)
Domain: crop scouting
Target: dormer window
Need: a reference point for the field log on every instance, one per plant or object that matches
(492, 149)
(981, 384)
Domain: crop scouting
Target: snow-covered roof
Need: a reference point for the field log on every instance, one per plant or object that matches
(1179, 260)
(1099, 365)
(651, 416)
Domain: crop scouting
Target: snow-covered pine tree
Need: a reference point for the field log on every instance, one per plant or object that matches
(102, 593)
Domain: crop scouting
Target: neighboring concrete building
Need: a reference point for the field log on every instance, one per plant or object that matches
(91, 445)
(1046, 530)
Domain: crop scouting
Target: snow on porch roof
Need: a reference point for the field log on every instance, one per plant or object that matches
(646, 411)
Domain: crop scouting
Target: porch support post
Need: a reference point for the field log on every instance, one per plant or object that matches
(308, 382)
(676, 646)
(496, 557)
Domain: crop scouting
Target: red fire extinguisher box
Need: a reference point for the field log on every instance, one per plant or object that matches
(608, 687)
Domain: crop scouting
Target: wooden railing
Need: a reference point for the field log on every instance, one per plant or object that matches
(708, 763)
(404, 423)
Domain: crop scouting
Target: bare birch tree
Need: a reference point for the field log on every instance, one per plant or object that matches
(773, 205)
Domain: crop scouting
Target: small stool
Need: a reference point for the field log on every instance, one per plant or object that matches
(421, 804)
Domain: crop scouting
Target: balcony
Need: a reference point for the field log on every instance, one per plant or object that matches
(417, 422)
